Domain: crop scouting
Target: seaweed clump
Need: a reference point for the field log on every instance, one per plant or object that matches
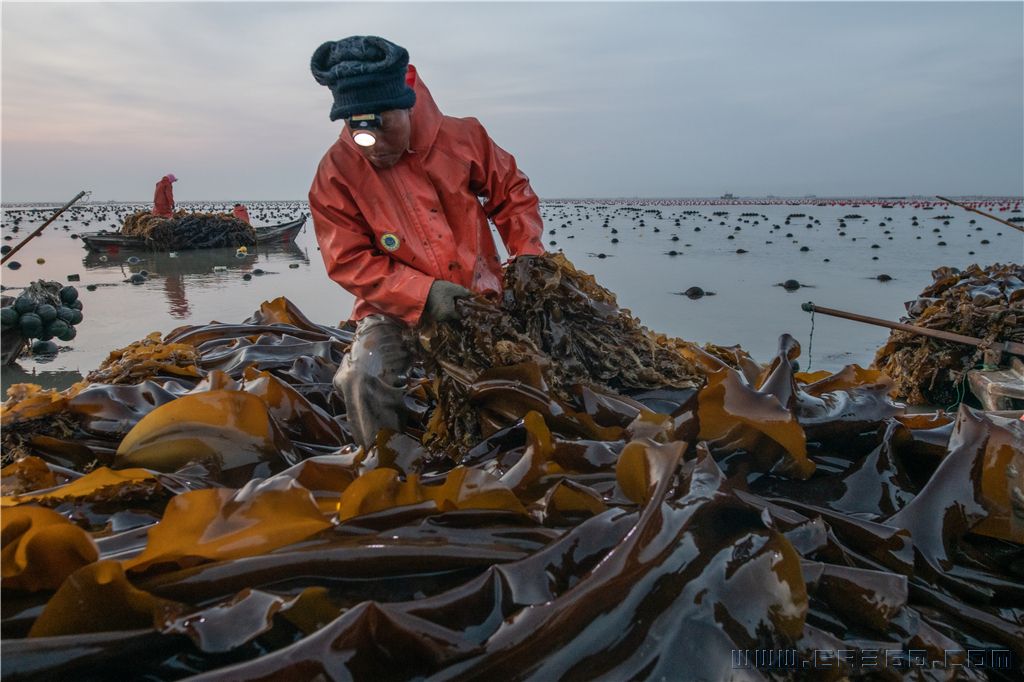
(189, 230)
(986, 303)
(554, 330)
(145, 359)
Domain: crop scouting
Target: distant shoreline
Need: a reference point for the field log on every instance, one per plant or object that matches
(665, 201)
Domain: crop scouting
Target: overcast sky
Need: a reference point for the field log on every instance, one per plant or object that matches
(593, 99)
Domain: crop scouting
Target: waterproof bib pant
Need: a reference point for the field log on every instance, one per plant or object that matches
(373, 377)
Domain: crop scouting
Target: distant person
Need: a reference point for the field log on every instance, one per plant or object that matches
(163, 198)
(397, 210)
(242, 213)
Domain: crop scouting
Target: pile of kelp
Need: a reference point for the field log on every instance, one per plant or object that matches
(189, 230)
(760, 523)
(558, 331)
(986, 303)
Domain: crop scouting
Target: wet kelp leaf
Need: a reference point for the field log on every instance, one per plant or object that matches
(41, 548)
(281, 311)
(969, 488)
(536, 459)
(463, 488)
(567, 502)
(232, 429)
(220, 524)
(500, 397)
(643, 465)
(302, 419)
(226, 626)
(26, 402)
(28, 473)
(99, 597)
(103, 483)
(734, 416)
(325, 477)
(867, 598)
(877, 484)
(266, 351)
(111, 411)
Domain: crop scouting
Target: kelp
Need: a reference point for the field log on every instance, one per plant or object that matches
(188, 230)
(30, 413)
(144, 359)
(595, 529)
(555, 323)
(986, 303)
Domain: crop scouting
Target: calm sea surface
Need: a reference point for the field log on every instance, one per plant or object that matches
(748, 307)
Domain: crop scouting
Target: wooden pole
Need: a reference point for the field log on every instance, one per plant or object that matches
(1006, 346)
(987, 215)
(42, 227)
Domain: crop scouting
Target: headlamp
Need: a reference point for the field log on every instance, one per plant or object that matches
(364, 128)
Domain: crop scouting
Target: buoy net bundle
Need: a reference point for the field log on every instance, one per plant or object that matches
(42, 312)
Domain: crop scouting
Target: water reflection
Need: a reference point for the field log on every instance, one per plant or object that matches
(59, 379)
(195, 262)
(189, 267)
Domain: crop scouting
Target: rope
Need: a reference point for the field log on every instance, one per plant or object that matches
(961, 391)
(810, 344)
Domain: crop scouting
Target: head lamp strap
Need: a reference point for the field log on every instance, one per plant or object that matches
(365, 121)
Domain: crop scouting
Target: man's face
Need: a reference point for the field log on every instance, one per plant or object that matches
(392, 139)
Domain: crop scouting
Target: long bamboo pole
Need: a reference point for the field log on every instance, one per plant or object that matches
(1006, 346)
(42, 227)
(987, 215)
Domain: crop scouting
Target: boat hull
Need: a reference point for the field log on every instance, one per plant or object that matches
(284, 233)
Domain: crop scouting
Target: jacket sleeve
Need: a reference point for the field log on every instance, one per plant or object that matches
(169, 192)
(510, 201)
(353, 260)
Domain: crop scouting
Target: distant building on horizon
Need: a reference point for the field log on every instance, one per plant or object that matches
(728, 195)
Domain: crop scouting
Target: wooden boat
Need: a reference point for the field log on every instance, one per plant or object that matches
(284, 233)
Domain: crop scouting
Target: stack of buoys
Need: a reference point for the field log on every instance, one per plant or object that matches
(44, 311)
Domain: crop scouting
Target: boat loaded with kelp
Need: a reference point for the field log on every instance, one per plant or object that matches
(574, 497)
(190, 230)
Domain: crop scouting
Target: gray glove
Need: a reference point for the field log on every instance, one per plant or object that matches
(441, 300)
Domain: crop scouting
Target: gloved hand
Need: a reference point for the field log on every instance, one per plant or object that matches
(441, 300)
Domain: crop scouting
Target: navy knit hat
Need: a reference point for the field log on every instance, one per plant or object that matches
(366, 75)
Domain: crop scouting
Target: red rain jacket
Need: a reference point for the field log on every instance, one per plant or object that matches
(163, 198)
(386, 235)
(242, 213)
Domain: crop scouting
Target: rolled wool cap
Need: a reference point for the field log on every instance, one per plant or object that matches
(172, 177)
(366, 75)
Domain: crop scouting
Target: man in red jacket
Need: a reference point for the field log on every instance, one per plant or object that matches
(163, 197)
(396, 206)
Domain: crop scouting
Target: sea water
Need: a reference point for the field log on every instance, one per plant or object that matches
(748, 307)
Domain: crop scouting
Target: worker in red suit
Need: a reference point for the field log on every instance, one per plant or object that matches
(163, 197)
(396, 206)
(242, 213)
